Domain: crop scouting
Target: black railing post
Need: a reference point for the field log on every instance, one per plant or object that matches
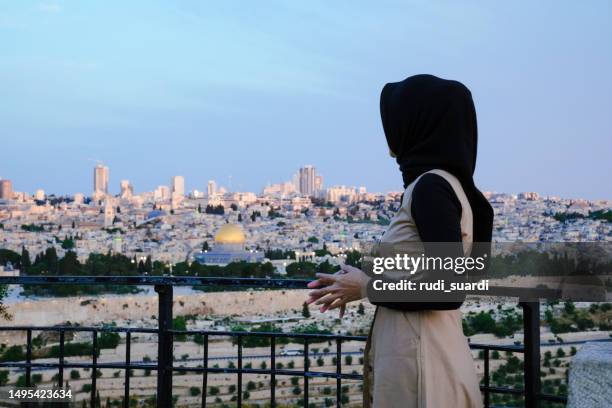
(205, 373)
(306, 368)
(273, 372)
(487, 380)
(94, 368)
(239, 386)
(60, 374)
(164, 346)
(126, 383)
(28, 373)
(338, 372)
(531, 338)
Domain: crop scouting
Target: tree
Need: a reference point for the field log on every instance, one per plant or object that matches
(50, 258)
(360, 309)
(69, 264)
(4, 377)
(205, 246)
(353, 258)
(68, 243)
(569, 307)
(305, 310)
(200, 208)
(25, 258)
(148, 266)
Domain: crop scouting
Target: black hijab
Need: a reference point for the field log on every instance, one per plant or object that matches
(430, 123)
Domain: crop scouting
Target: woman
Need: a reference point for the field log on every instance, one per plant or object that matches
(417, 355)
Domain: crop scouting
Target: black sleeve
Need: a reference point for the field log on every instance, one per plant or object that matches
(436, 211)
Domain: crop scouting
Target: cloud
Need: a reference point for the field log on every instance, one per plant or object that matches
(49, 7)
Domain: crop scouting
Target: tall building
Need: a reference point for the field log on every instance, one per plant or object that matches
(126, 188)
(307, 175)
(178, 185)
(212, 188)
(6, 190)
(100, 179)
(318, 185)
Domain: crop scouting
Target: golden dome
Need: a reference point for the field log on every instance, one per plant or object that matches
(230, 234)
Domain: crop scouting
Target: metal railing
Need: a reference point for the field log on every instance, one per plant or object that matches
(164, 366)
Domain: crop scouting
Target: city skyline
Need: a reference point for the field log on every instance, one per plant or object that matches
(306, 181)
(170, 92)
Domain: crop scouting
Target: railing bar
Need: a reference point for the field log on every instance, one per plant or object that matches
(338, 372)
(126, 390)
(306, 368)
(122, 366)
(205, 372)
(486, 378)
(28, 378)
(165, 349)
(504, 390)
(239, 390)
(273, 372)
(60, 378)
(531, 361)
(94, 368)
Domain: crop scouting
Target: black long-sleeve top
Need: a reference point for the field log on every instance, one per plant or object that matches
(436, 211)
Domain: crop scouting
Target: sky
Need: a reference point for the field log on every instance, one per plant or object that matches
(250, 91)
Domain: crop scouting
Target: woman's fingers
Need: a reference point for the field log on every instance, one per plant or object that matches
(315, 284)
(319, 293)
(328, 299)
(323, 280)
(327, 278)
(322, 292)
(340, 302)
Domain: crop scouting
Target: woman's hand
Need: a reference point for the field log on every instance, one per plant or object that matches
(338, 289)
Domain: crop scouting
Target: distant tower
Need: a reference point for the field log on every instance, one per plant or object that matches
(318, 187)
(100, 180)
(6, 190)
(178, 186)
(127, 190)
(307, 176)
(109, 214)
(212, 188)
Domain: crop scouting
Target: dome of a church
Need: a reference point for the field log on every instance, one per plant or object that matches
(230, 234)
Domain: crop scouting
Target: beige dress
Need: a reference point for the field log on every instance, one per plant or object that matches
(420, 359)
